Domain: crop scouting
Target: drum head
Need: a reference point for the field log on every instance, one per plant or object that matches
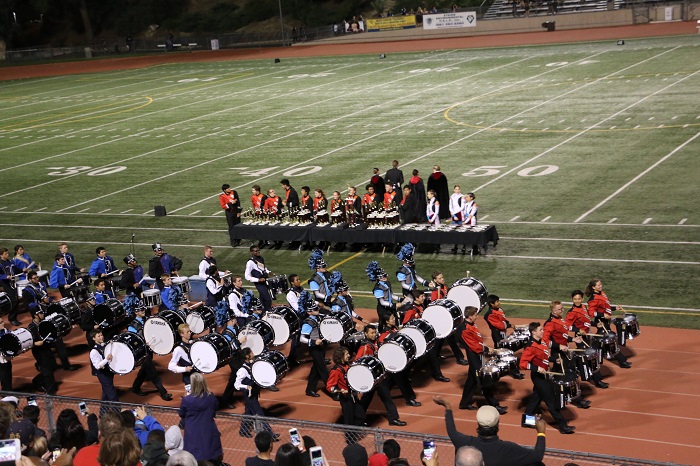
(393, 357)
(332, 329)
(418, 338)
(159, 335)
(441, 320)
(204, 357)
(280, 326)
(123, 360)
(196, 322)
(253, 341)
(502, 352)
(361, 378)
(264, 373)
(465, 296)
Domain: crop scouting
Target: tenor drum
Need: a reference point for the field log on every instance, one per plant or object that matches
(500, 353)
(587, 362)
(336, 326)
(269, 368)
(128, 352)
(444, 315)
(489, 374)
(201, 319)
(151, 298)
(422, 334)
(160, 331)
(278, 284)
(566, 388)
(183, 283)
(365, 373)
(285, 322)
(259, 335)
(512, 362)
(397, 352)
(54, 326)
(468, 292)
(511, 343)
(21, 285)
(232, 339)
(210, 353)
(110, 313)
(113, 284)
(66, 306)
(5, 302)
(227, 278)
(16, 342)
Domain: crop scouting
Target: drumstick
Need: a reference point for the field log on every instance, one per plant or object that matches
(553, 373)
(578, 349)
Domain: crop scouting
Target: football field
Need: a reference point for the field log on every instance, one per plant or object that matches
(584, 156)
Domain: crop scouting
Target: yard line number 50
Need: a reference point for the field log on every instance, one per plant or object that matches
(491, 170)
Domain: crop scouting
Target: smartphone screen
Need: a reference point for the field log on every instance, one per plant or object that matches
(528, 420)
(294, 436)
(83, 408)
(316, 455)
(55, 454)
(31, 401)
(9, 451)
(428, 449)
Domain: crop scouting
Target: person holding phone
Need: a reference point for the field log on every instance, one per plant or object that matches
(263, 445)
(496, 452)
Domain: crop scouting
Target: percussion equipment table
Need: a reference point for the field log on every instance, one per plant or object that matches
(480, 235)
(273, 232)
(359, 234)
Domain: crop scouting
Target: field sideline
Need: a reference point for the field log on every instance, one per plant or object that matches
(582, 155)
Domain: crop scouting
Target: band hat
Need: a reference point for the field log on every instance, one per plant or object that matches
(157, 246)
(130, 258)
(487, 416)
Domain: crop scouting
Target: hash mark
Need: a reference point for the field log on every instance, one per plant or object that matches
(683, 221)
(546, 218)
(514, 218)
(612, 220)
(646, 221)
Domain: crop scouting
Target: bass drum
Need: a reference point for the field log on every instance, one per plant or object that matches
(397, 352)
(232, 338)
(128, 352)
(259, 336)
(110, 313)
(269, 368)
(336, 326)
(422, 334)
(54, 326)
(468, 292)
(365, 373)
(16, 342)
(210, 353)
(201, 319)
(66, 306)
(285, 322)
(444, 315)
(160, 331)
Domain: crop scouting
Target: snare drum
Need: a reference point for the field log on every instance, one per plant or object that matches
(277, 285)
(110, 313)
(627, 328)
(5, 302)
(210, 353)
(285, 322)
(43, 276)
(113, 283)
(54, 326)
(587, 362)
(128, 352)
(566, 388)
(365, 373)
(444, 315)
(151, 298)
(608, 345)
(489, 374)
(501, 353)
(160, 331)
(201, 319)
(87, 280)
(269, 368)
(66, 306)
(468, 292)
(511, 343)
(21, 285)
(16, 342)
(422, 334)
(512, 362)
(397, 352)
(183, 283)
(336, 326)
(259, 335)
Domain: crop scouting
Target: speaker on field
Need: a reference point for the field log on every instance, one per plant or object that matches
(277, 60)
(160, 211)
(549, 26)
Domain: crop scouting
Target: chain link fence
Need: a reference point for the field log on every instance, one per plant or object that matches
(332, 437)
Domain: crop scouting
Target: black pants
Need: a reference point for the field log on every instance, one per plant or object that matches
(543, 391)
(62, 352)
(14, 302)
(265, 297)
(433, 357)
(47, 365)
(401, 381)
(6, 376)
(472, 382)
(353, 415)
(252, 408)
(232, 219)
(148, 371)
(382, 389)
(292, 358)
(319, 371)
(234, 363)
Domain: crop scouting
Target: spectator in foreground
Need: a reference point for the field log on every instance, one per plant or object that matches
(110, 423)
(355, 455)
(70, 433)
(182, 458)
(288, 455)
(173, 440)
(122, 448)
(141, 423)
(154, 453)
(202, 437)
(33, 413)
(469, 456)
(390, 450)
(263, 444)
(496, 452)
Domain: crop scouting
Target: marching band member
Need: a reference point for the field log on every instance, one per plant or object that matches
(407, 272)
(306, 202)
(470, 209)
(555, 334)
(475, 348)
(535, 358)
(353, 206)
(35, 294)
(5, 366)
(273, 209)
(415, 311)
(216, 289)
(432, 209)
(370, 200)
(338, 386)
(251, 393)
(162, 263)
(87, 320)
(99, 361)
(257, 273)
(498, 323)
(456, 202)
(61, 277)
(70, 259)
(22, 262)
(169, 294)
(293, 295)
(440, 292)
(599, 306)
(408, 206)
(319, 281)
(180, 361)
(206, 261)
(231, 203)
(257, 200)
(378, 184)
(7, 284)
(387, 327)
(394, 176)
(103, 265)
(101, 293)
(386, 299)
(148, 370)
(130, 280)
(291, 198)
(579, 322)
(336, 202)
(311, 336)
(343, 302)
(45, 360)
(392, 197)
(235, 301)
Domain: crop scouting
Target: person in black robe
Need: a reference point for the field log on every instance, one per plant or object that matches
(407, 207)
(378, 182)
(438, 183)
(418, 190)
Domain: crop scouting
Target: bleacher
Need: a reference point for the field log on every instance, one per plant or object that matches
(504, 8)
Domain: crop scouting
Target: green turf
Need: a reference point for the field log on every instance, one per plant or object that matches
(543, 135)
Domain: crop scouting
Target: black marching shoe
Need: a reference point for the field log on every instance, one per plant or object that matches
(518, 376)
(71, 368)
(602, 384)
(567, 429)
(462, 362)
(501, 409)
(166, 396)
(413, 403)
(441, 378)
(313, 394)
(397, 422)
(16, 323)
(583, 404)
(273, 388)
(470, 407)
(138, 392)
(625, 365)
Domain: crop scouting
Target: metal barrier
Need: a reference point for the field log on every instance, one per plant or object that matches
(332, 437)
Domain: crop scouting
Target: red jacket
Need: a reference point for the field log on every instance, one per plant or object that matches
(439, 293)
(577, 319)
(497, 319)
(414, 313)
(273, 205)
(472, 338)
(225, 199)
(599, 305)
(385, 334)
(258, 201)
(338, 378)
(555, 332)
(535, 355)
(368, 349)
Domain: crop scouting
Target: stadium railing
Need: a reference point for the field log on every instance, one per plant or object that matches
(332, 437)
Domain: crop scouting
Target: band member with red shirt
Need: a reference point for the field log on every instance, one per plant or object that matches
(353, 205)
(498, 323)
(579, 322)
(599, 306)
(382, 388)
(440, 292)
(257, 200)
(337, 385)
(415, 311)
(556, 335)
(386, 328)
(475, 348)
(392, 198)
(370, 200)
(535, 358)
(231, 204)
(273, 208)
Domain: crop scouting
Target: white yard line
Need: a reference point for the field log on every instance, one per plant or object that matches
(633, 180)
(586, 240)
(592, 259)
